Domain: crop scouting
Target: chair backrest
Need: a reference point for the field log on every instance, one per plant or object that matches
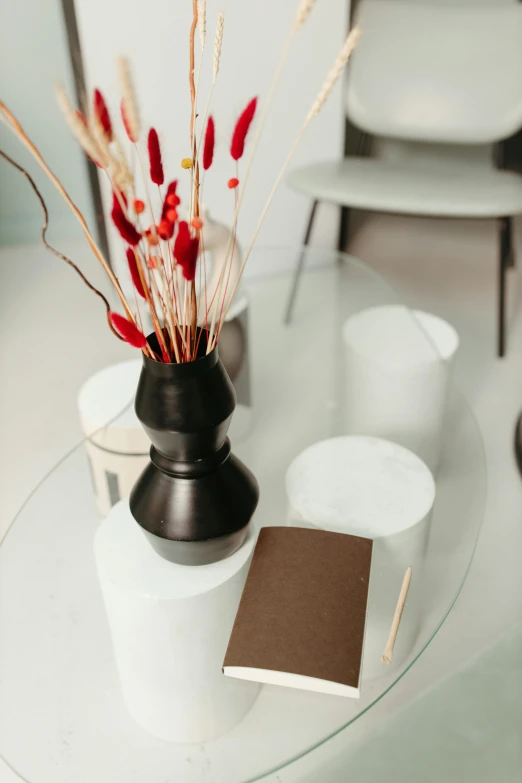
(437, 72)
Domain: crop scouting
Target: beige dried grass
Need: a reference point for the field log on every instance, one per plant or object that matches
(326, 89)
(302, 13)
(202, 22)
(334, 74)
(129, 97)
(218, 42)
(81, 132)
(9, 118)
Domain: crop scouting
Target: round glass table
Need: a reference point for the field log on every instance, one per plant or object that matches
(62, 719)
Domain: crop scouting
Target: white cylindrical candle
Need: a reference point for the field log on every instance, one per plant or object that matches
(397, 371)
(376, 489)
(170, 626)
(116, 445)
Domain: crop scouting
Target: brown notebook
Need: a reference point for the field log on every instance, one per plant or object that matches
(302, 615)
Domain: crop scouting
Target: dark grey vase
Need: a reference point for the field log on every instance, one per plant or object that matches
(195, 499)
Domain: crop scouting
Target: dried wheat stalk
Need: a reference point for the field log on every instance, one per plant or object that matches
(218, 43)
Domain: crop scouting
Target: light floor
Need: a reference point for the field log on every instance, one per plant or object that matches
(448, 268)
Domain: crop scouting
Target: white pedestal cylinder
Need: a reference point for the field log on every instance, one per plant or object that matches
(116, 445)
(170, 626)
(376, 489)
(397, 371)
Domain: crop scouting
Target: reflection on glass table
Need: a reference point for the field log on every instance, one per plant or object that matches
(61, 713)
(467, 729)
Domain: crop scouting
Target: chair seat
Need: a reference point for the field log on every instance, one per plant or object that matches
(388, 186)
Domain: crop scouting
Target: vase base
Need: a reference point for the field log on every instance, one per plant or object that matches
(196, 553)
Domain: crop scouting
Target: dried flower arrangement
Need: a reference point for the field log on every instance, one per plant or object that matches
(166, 256)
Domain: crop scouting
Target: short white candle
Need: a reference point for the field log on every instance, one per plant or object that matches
(397, 372)
(376, 489)
(170, 626)
(117, 446)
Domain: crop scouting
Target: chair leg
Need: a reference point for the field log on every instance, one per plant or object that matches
(509, 242)
(505, 252)
(344, 230)
(300, 265)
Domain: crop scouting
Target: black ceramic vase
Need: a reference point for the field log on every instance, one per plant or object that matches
(194, 500)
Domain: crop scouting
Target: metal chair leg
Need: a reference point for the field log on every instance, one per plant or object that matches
(300, 266)
(505, 251)
(344, 230)
(509, 242)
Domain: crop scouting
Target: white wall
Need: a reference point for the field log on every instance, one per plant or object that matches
(155, 37)
(33, 56)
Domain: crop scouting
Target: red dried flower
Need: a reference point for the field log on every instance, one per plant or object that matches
(126, 124)
(134, 272)
(129, 331)
(101, 113)
(182, 240)
(124, 226)
(196, 223)
(186, 250)
(171, 214)
(156, 166)
(139, 206)
(237, 147)
(233, 183)
(208, 146)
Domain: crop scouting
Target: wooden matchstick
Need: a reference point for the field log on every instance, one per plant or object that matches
(390, 644)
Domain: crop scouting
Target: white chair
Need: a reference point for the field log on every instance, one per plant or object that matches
(441, 84)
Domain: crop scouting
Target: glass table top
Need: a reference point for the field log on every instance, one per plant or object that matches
(62, 718)
(467, 729)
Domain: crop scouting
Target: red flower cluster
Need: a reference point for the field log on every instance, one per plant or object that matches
(169, 213)
(101, 113)
(237, 146)
(134, 272)
(129, 331)
(156, 165)
(208, 146)
(186, 250)
(128, 232)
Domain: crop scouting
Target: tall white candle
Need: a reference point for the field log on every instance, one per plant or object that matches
(170, 626)
(376, 489)
(397, 372)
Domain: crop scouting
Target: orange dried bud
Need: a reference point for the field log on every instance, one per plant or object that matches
(196, 223)
(172, 200)
(171, 214)
(233, 183)
(165, 229)
(139, 206)
(152, 239)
